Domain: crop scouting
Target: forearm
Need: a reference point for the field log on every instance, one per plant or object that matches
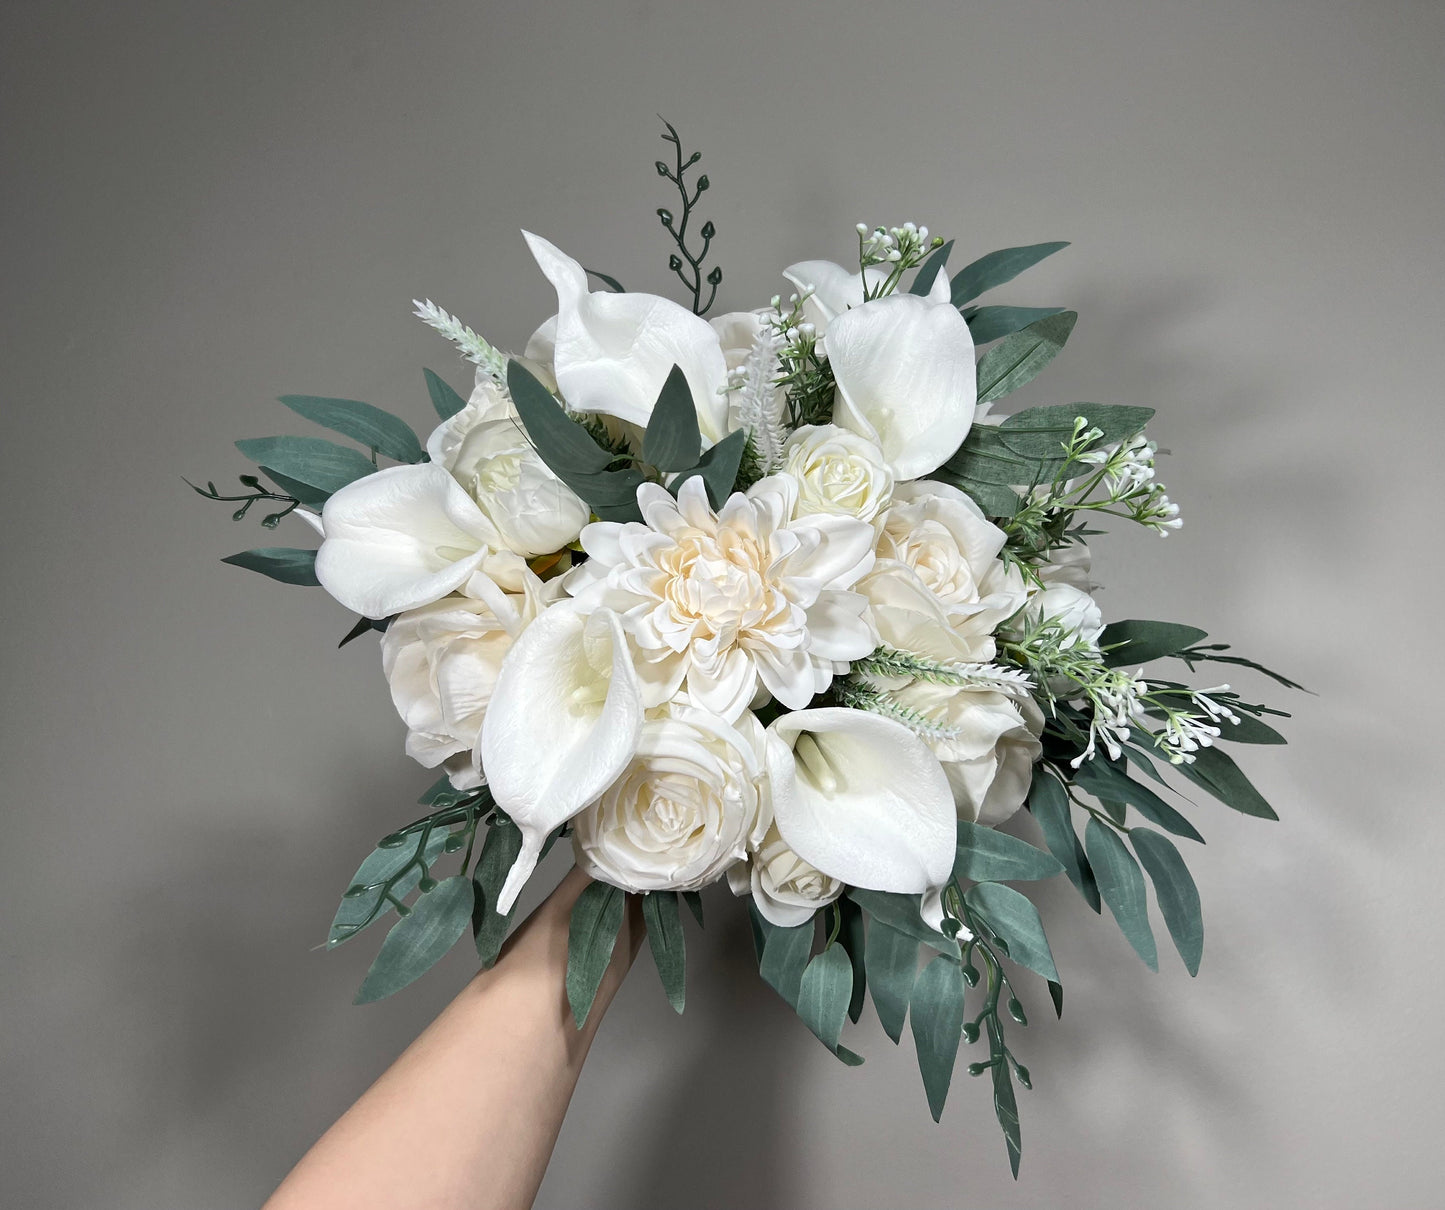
(468, 1115)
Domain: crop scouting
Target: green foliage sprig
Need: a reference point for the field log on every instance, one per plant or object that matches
(686, 263)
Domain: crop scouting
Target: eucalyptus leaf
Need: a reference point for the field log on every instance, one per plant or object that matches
(930, 269)
(419, 940)
(936, 1009)
(999, 267)
(1175, 890)
(1010, 914)
(1104, 781)
(1043, 432)
(1049, 805)
(610, 282)
(664, 938)
(443, 398)
(989, 856)
(563, 444)
(1005, 1105)
(824, 993)
(891, 960)
(1122, 886)
(1056, 994)
(313, 461)
(365, 901)
(1018, 358)
(1215, 771)
(1248, 730)
(289, 565)
(901, 913)
(672, 441)
(987, 324)
(1135, 641)
(591, 937)
(694, 905)
(370, 426)
(499, 853)
(718, 467)
(784, 957)
(851, 937)
(315, 497)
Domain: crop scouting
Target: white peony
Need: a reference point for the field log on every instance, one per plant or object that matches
(441, 662)
(786, 889)
(685, 809)
(732, 603)
(489, 454)
(837, 472)
(1073, 609)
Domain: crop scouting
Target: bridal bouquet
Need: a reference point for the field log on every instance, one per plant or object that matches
(777, 598)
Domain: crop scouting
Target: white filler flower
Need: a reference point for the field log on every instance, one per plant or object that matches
(732, 602)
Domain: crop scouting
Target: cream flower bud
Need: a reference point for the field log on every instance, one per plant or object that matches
(786, 889)
(838, 472)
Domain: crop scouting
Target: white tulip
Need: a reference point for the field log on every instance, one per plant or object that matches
(862, 799)
(906, 379)
(685, 808)
(563, 722)
(612, 352)
(785, 888)
(837, 472)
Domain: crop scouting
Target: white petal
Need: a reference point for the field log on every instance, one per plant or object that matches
(614, 351)
(835, 289)
(906, 379)
(400, 538)
(867, 803)
(311, 519)
(564, 720)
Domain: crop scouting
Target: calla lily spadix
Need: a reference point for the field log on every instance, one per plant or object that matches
(862, 799)
(564, 721)
(612, 352)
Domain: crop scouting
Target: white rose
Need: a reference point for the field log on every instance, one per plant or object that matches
(441, 662)
(488, 453)
(990, 754)
(685, 809)
(837, 472)
(786, 889)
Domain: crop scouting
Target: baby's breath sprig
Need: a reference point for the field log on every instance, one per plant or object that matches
(899, 248)
(804, 375)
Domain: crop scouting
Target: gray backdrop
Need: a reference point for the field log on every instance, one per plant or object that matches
(207, 206)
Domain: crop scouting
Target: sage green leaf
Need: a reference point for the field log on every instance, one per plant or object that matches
(370, 426)
(1016, 920)
(563, 444)
(1122, 886)
(1175, 890)
(824, 993)
(999, 267)
(445, 400)
(987, 324)
(1215, 771)
(1249, 730)
(1043, 432)
(1016, 359)
(936, 1008)
(499, 852)
(985, 457)
(1135, 641)
(1005, 1106)
(900, 912)
(441, 793)
(303, 492)
(610, 282)
(989, 856)
(288, 564)
(417, 941)
(1105, 782)
(314, 461)
(891, 960)
(785, 957)
(718, 467)
(851, 937)
(664, 938)
(694, 905)
(365, 901)
(1049, 806)
(591, 936)
(930, 269)
(672, 441)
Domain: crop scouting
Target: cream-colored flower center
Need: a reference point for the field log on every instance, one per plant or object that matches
(492, 476)
(932, 551)
(716, 586)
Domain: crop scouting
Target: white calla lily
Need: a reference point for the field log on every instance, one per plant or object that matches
(612, 352)
(563, 723)
(835, 289)
(862, 799)
(906, 379)
(404, 537)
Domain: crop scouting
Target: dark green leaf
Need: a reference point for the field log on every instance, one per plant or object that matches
(1249, 730)
(900, 912)
(891, 960)
(1211, 653)
(1175, 890)
(1104, 781)
(284, 563)
(418, 941)
(664, 938)
(499, 853)
(1216, 772)
(591, 936)
(936, 1007)
(824, 993)
(694, 905)
(850, 935)
(1136, 642)
(930, 269)
(564, 445)
(373, 428)
(1043, 432)
(1056, 994)
(1122, 886)
(314, 461)
(446, 401)
(610, 282)
(1005, 1107)
(1049, 805)
(1016, 359)
(987, 324)
(363, 626)
(989, 856)
(718, 467)
(997, 268)
(785, 957)
(1016, 920)
(304, 492)
(441, 793)
(363, 907)
(672, 441)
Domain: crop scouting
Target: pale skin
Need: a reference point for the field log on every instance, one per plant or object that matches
(467, 1117)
